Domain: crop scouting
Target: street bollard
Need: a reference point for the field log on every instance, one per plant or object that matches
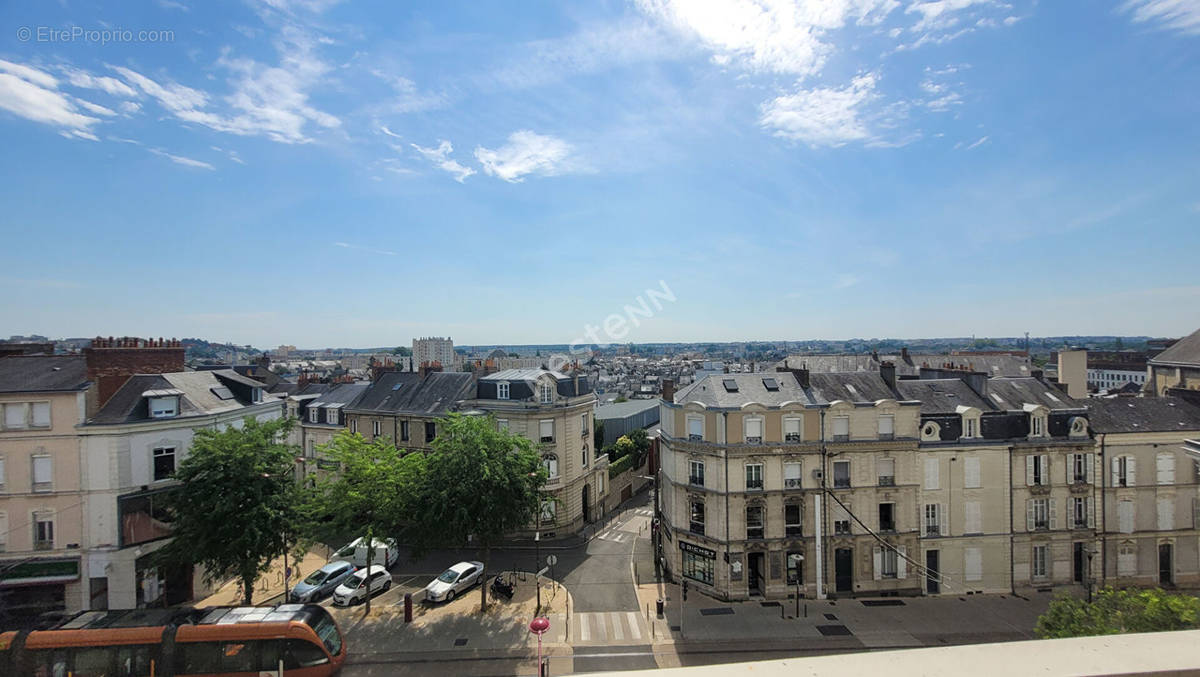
(658, 607)
(408, 607)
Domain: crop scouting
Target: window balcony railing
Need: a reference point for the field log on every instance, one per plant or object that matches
(791, 437)
(791, 483)
(887, 481)
(887, 436)
(547, 440)
(43, 545)
(933, 530)
(889, 528)
(1041, 525)
(841, 483)
(754, 533)
(696, 528)
(693, 437)
(792, 530)
(754, 440)
(696, 480)
(841, 527)
(841, 438)
(754, 485)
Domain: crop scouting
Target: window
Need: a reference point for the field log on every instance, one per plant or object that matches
(1, 473)
(376, 428)
(1125, 516)
(933, 519)
(753, 430)
(1123, 471)
(143, 517)
(256, 395)
(164, 407)
(972, 517)
(795, 568)
(331, 415)
(501, 423)
(754, 476)
(754, 522)
(583, 425)
(841, 474)
(1081, 468)
(971, 478)
(546, 430)
(698, 567)
(43, 473)
(695, 425)
(696, 473)
(164, 463)
(43, 531)
(314, 415)
(973, 564)
(1037, 425)
(885, 468)
(841, 519)
(550, 463)
(404, 431)
(310, 451)
(15, 416)
(932, 476)
(841, 428)
(1039, 563)
(430, 431)
(887, 427)
(791, 519)
(1165, 465)
(696, 522)
(300, 654)
(1127, 561)
(791, 475)
(3, 531)
(792, 431)
(41, 414)
(970, 426)
(1037, 470)
(583, 456)
(887, 516)
(1166, 513)
(547, 393)
(502, 390)
(354, 425)
(1080, 513)
(1039, 514)
(549, 512)
(887, 562)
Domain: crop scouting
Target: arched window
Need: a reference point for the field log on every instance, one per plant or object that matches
(550, 463)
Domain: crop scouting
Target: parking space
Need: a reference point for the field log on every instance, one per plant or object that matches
(401, 584)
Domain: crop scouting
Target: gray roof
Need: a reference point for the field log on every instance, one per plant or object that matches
(853, 387)
(1143, 414)
(711, 391)
(407, 392)
(1012, 394)
(522, 375)
(341, 394)
(128, 404)
(624, 409)
(1186, 351)
(941, 396)
(43, 373)
(992, 365)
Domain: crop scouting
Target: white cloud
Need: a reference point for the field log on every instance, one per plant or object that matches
(440, 157)
(980, 142)
(104, 83)
(1177, 15)
(822, 116)
(775, 36)
(385, 130)
(525, 153)
(173, 96)
(179, 159)
(95, 108)
(408, 98)
(938, 14)
(346, 245)
(845, 281)
(31, 94)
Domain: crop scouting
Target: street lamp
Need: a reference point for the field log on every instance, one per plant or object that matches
(539, 626)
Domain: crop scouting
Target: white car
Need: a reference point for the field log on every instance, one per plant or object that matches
(362, 583)
(453, 581)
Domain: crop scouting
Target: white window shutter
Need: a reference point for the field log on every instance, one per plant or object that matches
(1089, 461)
(971, 478)
(1195, 510)
(901, 563)
(973, 566)
(942, 519)
(1125, 516)
(1029, 471)
(1053, 513)
(1029, 518)
(41, 414)
(1131, 470)
(931, 473)
(878, 556)
(1116, 472)
(1045, 470)
(1091, 512)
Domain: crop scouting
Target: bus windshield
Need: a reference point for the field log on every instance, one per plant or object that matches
(327, 631)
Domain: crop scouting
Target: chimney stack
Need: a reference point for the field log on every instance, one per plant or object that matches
(110, 362)
(904, 355)
(668, 390)
(887, 371)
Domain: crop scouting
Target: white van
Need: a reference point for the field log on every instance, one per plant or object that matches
(355, 552)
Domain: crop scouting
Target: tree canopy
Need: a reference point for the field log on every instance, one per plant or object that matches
(237, 507)
(1117, 611)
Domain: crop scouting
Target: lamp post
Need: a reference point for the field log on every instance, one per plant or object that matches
(537, 553)
(1090, 553)
(538, 626)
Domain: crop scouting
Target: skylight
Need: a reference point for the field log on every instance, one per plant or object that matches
(730, 385)
(770, 384)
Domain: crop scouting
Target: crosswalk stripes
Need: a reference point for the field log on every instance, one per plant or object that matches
(614, 536)
(644, 512)
(608, 626)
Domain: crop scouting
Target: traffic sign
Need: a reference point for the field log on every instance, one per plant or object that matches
(551, 560)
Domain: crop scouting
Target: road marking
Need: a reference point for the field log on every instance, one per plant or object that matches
(615, 617)
(634, 632)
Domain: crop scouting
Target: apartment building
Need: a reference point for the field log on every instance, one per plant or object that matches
(42, 400)
(1177, 366)
(431, 349)
(324, 416)
(404, 407)
(131, 449)
(1151, 492)
(555, 412)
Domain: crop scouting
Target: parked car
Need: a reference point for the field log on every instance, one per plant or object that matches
(355, 552)
(322, 582)
(453, 581)
(362, 583)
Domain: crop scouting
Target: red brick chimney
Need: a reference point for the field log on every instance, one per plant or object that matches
(110, 362)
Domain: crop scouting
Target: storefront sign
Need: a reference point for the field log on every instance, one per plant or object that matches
(39, 571)
(697, 550)
(328, 465)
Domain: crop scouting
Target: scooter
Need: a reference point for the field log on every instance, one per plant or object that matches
(500, 588)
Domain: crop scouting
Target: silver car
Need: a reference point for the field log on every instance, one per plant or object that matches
(321, 582)
(453, 581)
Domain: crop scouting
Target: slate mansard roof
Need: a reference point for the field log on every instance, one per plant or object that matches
(942, 395)
(402, 392)
(1143, 415)
(732, 391)
(521, 383)
(201, 393)
(1185, 352)
(43, 373)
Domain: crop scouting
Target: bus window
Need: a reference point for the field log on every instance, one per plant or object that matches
(92, 662)
(133, 661)
(197, 658)
(301, 654)
(239, 657)
(327, 631)
(49, 663)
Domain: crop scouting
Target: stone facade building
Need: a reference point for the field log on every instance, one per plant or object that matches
(1177, 366)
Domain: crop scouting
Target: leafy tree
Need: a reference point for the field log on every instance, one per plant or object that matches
(238, 505)
(624, 446)
(370, 496)
(620, 398)
(481, 483)
(402, 351)
(1117, 611)
(598, 435)
(641, 445)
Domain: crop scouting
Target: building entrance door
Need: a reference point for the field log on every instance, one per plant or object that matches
(587, 515)
(754, 574)
(843, 569)
(1078, 562)
(1166, 565)
(932, 579)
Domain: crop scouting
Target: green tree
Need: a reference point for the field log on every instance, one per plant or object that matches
(641, 445)
(624, 446)
(371, 495)
(481, 483)
(598, 435)
(238, 505)
(402, 351)
(1118, 611)
(620, 398)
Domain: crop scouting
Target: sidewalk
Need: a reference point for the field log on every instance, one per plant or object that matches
(270, 585)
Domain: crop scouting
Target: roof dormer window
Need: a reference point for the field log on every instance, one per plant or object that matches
(502, 390)
(547, 393)
(256, 395)
(165, 406)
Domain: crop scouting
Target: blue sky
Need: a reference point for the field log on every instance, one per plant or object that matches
(353, 174)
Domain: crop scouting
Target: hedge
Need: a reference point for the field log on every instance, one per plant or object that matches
(620, 465)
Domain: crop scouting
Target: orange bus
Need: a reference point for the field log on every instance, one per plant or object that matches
(300, 640)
